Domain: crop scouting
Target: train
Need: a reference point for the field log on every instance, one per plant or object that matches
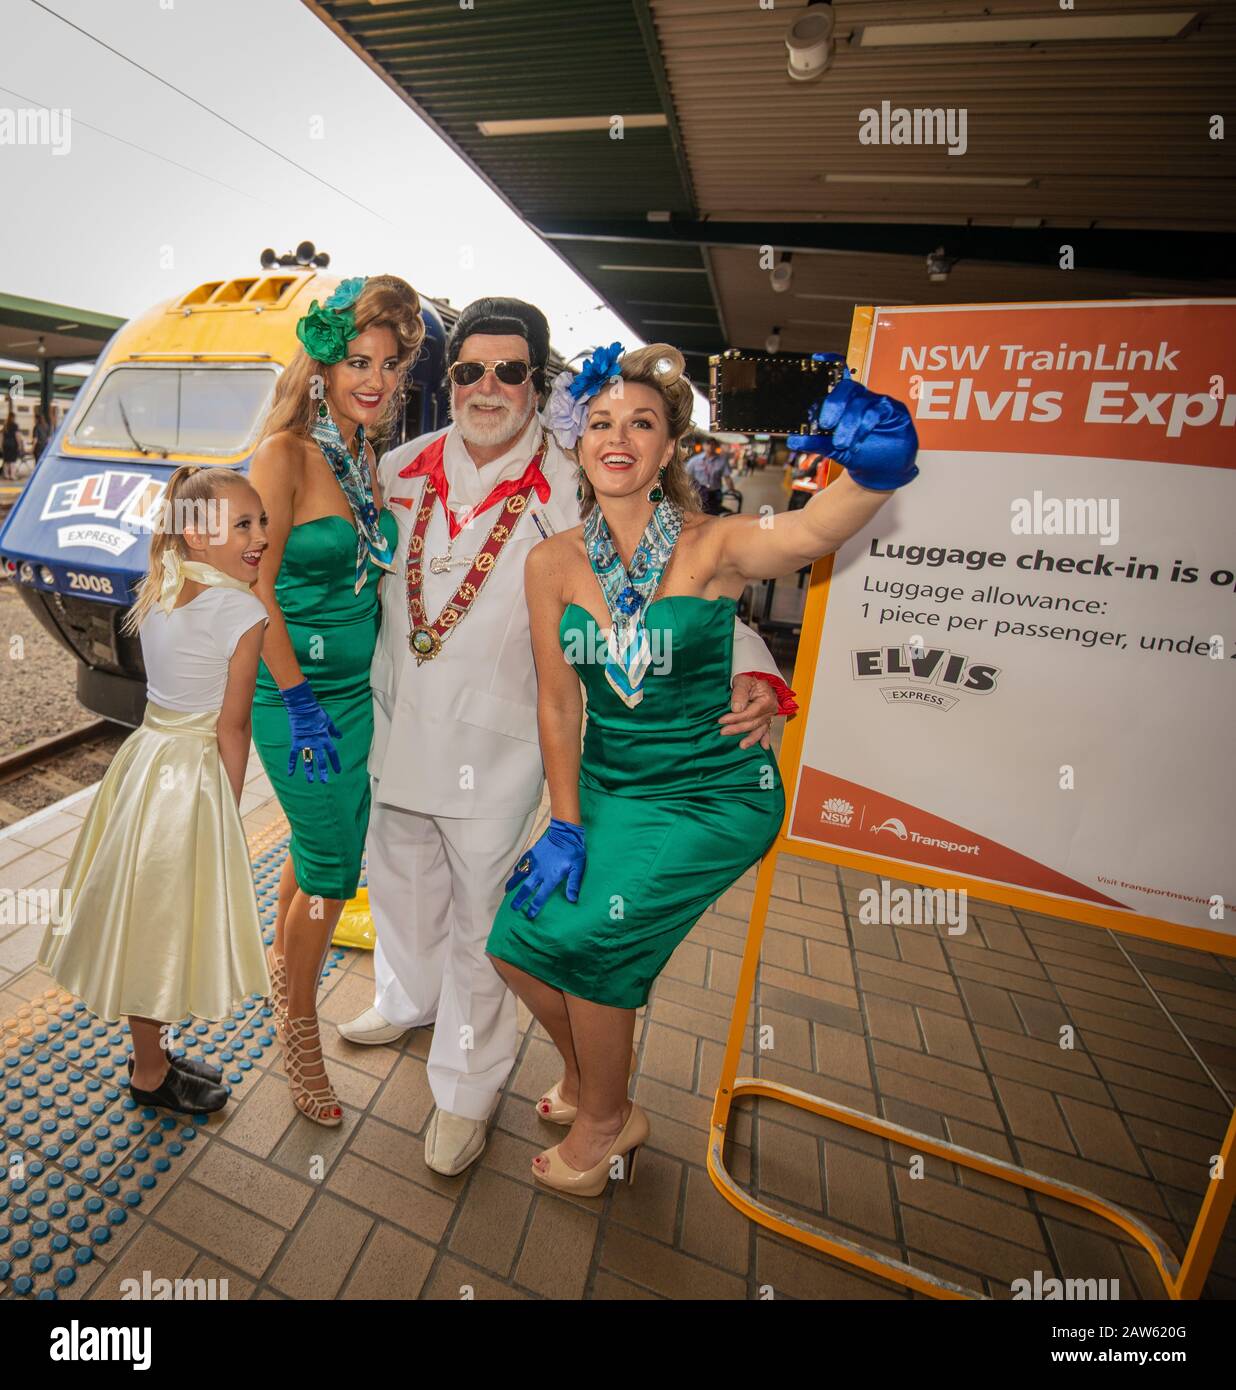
(187, 382)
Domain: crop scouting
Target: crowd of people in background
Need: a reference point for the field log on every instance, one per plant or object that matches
(13, 446)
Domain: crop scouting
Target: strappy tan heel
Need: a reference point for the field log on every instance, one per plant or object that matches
(552, 1107)
(318, 1102)
(277, 968)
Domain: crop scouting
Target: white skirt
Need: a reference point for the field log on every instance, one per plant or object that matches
(160, 919)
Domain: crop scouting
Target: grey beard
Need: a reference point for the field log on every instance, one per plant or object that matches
(486, 438)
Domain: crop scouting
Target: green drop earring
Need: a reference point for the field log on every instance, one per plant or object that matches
(579, 482)
(656, 492)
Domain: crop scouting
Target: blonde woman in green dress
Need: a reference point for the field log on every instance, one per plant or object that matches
(330, 541)
(660, 816)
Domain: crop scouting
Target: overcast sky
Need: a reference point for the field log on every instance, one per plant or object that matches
(157, 193)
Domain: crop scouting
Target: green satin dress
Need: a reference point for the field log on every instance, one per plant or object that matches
(673, 810)
(334, 632)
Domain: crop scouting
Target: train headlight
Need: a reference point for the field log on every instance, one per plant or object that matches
(27, 572)
(46, 575)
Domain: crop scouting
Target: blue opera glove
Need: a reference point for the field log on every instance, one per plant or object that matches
(870, 435)
(312, 731)
(559, 854)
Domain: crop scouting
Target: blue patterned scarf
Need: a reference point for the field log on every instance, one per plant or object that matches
(353, 477)
(627, 595)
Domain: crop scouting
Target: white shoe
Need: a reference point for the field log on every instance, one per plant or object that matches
(452, 1142)
(371, 1029)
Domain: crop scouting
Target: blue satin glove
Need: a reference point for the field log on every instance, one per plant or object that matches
(557, 855)
(871, 436)
(312, 731)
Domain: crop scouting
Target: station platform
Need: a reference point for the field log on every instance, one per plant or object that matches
(952, 1036)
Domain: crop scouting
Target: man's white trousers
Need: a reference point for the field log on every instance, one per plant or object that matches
(435, 883)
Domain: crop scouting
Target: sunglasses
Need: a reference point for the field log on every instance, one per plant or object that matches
(509, 373)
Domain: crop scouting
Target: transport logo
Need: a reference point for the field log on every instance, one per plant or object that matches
(894, 825)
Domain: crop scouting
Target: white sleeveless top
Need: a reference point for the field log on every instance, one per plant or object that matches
(187, 650)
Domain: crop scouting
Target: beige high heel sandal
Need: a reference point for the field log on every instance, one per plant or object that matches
(592, 1182)
(552, 1107)
(319, 1102)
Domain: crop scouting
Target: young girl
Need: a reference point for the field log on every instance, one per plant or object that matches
(161, 919)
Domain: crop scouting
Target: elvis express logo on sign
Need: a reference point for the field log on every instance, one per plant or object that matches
(924, 675)
(115, 494)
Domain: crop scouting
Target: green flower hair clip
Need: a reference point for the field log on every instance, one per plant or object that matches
(326, 329)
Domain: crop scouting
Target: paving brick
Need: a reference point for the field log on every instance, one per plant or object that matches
(323, 1250)
(889, 1057)
(947, 1037)
(857, 1190)
(151, 1250)
(663, 1270)
(394, 1198)
(453, 1279)
(967, 1248)
(230, 1232)
(557, 1251)
(790, 1001)
(650, 1202)
(491, 1222)
(788, 1271)
(251, 1184)
(1034, 1113)
(786, 1037)
(990, 1005)
(842, 1055)
(262, 1120)
(609, 1286)
(1062, 1078)
(889, 987)
(405, 1099)
(829, 962)
(689, 963)
(1100, 1135)
(891, 1020)
(1012, 1221)
(784, 949)
(943, 1100)
(393, 1266)
(668, 1056)
(789, 1164)
(712, 1229)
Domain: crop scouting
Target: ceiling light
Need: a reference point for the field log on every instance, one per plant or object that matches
(809, 41)
(1070, 28)
(976, 180)
(939, 263)
(781, 274)
(658, 269)
(772, 343)
(559, 125)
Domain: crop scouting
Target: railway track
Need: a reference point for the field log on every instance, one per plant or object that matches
(52, 768)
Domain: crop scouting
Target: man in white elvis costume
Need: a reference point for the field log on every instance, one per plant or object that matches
(455, 759)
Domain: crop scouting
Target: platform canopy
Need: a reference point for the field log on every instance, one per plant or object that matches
(32, 331)
(1089, 128)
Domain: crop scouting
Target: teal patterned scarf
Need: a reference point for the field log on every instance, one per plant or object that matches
(628, 594)
(353, 477)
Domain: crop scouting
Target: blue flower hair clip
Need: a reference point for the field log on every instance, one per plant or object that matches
(346, 293)
(567, 407)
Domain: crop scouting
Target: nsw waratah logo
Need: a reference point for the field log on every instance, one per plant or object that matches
(837, 811)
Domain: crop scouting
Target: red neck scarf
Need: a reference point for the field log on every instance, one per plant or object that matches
(429, 462)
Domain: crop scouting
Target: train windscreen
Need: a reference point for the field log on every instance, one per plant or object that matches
(213, 410)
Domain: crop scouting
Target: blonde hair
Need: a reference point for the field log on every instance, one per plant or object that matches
(189, 484)
(664, 369)
(385, 302)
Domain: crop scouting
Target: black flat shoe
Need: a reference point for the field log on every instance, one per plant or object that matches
(191, 1066)
(183, 1092)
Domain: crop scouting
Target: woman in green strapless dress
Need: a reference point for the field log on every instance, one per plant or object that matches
(330, 544)
(661, 813)
(333, 631)
(673, 811)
